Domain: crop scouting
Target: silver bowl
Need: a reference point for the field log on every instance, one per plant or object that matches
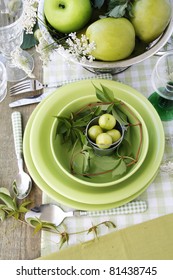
(105, 152)
(117, 66)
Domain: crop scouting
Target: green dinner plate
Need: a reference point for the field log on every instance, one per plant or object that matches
(55, 195)
(57, 180)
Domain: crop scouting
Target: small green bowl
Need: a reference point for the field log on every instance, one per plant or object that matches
(62, 152)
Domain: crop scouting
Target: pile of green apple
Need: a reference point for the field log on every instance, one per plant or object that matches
(115, 38)
(104, 133)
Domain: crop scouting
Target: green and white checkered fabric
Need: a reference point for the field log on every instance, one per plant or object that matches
(17, 132)
(128, 208)
(159, 195)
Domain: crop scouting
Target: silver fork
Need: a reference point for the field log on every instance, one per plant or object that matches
(33, 85)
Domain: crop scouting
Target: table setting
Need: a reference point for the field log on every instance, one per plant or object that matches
(150, 195)
(80, 203)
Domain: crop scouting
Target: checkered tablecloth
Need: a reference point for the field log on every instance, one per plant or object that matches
(159, 195)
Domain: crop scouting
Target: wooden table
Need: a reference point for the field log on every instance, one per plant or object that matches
(17, 241)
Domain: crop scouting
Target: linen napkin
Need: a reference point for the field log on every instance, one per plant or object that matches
(151, 240)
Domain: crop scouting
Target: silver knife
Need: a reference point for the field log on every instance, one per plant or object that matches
(29, 100)
(38, 98)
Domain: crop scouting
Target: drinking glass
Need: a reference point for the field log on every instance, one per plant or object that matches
(3, 81)
(162, 82)
(11, 36)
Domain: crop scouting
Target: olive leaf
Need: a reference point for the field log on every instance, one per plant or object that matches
(120, 169)
(9, 202)
(47, 225)
(63, 125)
(93, 229)
(84, 120)
(119, 8)
(2, 214)
(86, 114)
(71, 130)
(22, 207)
(64, 238)
(105, 95)
(10, 208)
(44, 225)
(33, 222)
(4, 190)
(109, 224)
(98, 111)
(109, 108)
(88, 155)
(38, 227)
(107, 92)
(86, 162)
(109, 163)
(80, 135)
(14, 214)
(120, 116)
(39, 224)
(29, 40)
(125, 149)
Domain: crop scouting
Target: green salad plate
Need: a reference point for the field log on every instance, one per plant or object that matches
(137, 147)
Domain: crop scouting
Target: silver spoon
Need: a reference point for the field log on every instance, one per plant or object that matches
(22, 184)
(54, 214)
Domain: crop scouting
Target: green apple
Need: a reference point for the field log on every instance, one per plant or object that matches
(115, 134)
(150, 18)
(67, 16)
(107, 121)
(104, 140)
(94, 131)
(114, 38)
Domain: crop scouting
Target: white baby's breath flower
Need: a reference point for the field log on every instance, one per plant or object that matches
(30, 15)
(21, 61)
(80, 48)
(70, 42)
(91, 58)
(83, 59)
(43, 48)
(72, 35)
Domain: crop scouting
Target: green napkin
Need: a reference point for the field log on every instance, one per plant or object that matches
(151, 240)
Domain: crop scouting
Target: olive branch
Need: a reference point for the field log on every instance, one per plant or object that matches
(10, 208)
